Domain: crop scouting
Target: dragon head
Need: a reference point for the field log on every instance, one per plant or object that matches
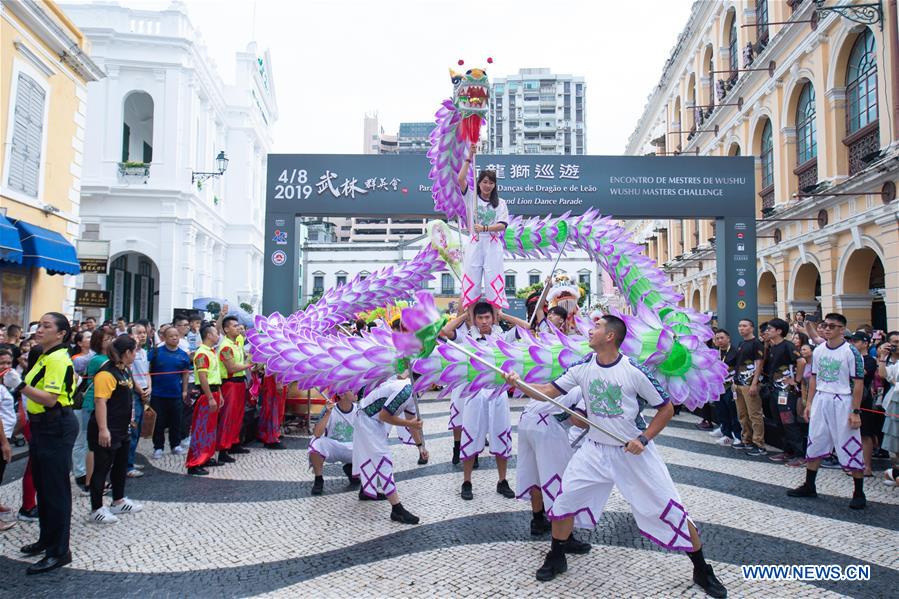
(471, 90)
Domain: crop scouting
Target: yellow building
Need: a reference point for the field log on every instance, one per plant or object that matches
(814, 96)
(44, 70)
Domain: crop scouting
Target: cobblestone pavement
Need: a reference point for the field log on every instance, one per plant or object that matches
(252, 529)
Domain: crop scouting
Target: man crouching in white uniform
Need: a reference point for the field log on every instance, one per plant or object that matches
(610, 384)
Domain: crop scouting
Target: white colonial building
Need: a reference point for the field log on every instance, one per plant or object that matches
(163, 115)
(325, 264)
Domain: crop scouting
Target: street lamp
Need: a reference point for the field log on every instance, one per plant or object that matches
(221, 162)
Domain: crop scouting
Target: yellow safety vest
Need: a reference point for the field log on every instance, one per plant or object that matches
(236, 352)
(212, 370)
(53, 373)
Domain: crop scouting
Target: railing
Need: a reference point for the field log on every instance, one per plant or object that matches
(807, 172)
(862, 145)
(767, 195)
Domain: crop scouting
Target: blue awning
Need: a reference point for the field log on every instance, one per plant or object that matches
(10, 247)
(42, 248)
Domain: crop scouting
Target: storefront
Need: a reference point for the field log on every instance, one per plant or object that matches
(25, 249)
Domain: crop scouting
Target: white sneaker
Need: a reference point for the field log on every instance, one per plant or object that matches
(725, 441)
(126, 507)
(157, 454)
(135, 473)
(716, 432)
(178, 450)
(139, 466)
(103, 516)
(185, 443)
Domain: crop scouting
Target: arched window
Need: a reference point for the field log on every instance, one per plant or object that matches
(806, 132)
(732, 47)
(861, 83)
(767, 156)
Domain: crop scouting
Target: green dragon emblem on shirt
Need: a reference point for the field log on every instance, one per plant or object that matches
(486, 215)
(605, 398)
(342, 432)
(828, 370)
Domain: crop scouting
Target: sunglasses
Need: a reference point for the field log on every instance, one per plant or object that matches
(832, 325)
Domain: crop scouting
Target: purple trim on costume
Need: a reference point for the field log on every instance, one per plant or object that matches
(506, 438)
(543, 420)
(678, 528)
(312, 449)
(853, 455)
(666, 546)
(546, 487)
(551, 516)
(527, 491)
(463, 454)
(819, 457)
(369, 480)
(454, 412)
(561, 390)
(618, 359)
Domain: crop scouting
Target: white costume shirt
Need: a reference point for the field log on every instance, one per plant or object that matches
(610, 394)
(835, 368)
(340, 424)
(487, 215)
(393, 395)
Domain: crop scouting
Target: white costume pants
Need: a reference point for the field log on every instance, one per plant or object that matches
(331, 450)
(483, 277)
(642, 480)
(829, 429)
(481, 417)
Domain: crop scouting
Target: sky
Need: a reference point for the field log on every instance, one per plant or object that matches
(333, 61)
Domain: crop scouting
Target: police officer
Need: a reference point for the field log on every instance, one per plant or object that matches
(48, 386)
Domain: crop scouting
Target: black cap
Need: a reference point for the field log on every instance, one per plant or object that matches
(860, 336)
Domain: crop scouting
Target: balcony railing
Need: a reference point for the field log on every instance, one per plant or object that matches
(807, 172)
(863, 144)
(767, 195)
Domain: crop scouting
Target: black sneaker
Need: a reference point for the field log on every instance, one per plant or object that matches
(28, 515)
(364, 497)
(348, 472)
(455, 455)
(466, 491)
(575, 547)
(709, 582)
(555, 563)
(318, 486)
(503, 488)
(197, 471)
(757, 451)
(224, 458)
(212, 463)
(81, 481)
(237, 449)
(803, 490)
(540, 525)
(422, 461)
(858, 502)
(401, 514)
(277, 445)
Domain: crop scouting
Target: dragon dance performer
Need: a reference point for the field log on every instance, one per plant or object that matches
(333, 440)
(271, 412)
(834, 398)
(610, 384)
(378, 411)
(207, 408)
(233, 366)
(483, 275)
(486, 412)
